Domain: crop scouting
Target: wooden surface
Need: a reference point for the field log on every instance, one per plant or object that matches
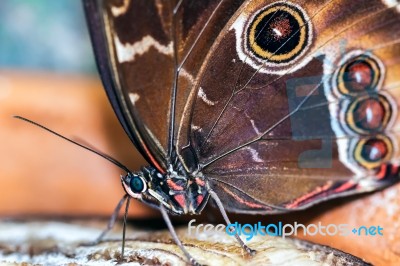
(59, 243)
(42, 175)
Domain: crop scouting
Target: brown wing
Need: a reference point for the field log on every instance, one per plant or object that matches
(142, 48)
(269, 123)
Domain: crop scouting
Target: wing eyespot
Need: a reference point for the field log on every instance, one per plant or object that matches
(359, 74)
(370, 114)
(273, 38)
(374, 151)
(278, 33)
(366, 111)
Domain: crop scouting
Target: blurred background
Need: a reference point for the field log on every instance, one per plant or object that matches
(45, 35)
(48, 74)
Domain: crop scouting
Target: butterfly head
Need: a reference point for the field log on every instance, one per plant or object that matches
(172, 190)
(148, 186)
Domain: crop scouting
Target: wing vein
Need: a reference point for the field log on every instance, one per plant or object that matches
(305, 99)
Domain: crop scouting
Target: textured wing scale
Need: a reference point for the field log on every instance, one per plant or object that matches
(267, 141)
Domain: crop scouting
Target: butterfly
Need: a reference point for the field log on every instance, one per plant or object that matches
(262, 106)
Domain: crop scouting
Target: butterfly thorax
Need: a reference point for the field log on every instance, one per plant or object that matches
(177, 190)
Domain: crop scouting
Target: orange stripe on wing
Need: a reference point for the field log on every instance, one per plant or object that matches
(382, 172)
(313, 193)
(153, 161)
(245, 202)
(345, 186)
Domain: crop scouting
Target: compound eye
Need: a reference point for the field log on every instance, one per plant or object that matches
(279, 33)
(137, 184)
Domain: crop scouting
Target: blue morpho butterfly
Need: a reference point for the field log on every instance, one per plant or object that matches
(264, 106)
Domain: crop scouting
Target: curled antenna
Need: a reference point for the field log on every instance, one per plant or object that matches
(86, 147)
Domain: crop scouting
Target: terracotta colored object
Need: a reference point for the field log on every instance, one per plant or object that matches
(378, 209)
(42, 174)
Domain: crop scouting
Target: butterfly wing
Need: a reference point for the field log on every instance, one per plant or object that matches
(265, 121)
(296, 103)
(140, 47)
(135, 56)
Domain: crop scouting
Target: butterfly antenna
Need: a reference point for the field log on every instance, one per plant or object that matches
(86, 147)
(106, 156)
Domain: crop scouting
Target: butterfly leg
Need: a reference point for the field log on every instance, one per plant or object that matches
(124, 227)
(221, 208)
(111, 222)
(175, 236)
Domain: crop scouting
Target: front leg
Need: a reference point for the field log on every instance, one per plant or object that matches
(111, 222)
